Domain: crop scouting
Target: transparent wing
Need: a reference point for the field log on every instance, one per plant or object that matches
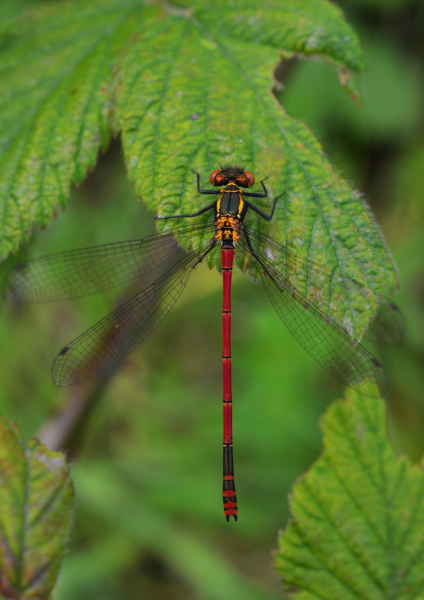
(319, 335)
(388, 326)
(117, 334)
(77, 273)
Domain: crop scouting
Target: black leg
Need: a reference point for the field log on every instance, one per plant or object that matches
(249, 243)
(263, 194)
(204, 191)
(261, 213)
(196, 214)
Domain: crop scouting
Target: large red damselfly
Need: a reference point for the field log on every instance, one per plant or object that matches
(85, 271)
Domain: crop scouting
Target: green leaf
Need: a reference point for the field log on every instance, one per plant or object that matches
(35, 506)
(186, 85)
(358, 515)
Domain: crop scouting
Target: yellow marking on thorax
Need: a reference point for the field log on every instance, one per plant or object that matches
(224, 191)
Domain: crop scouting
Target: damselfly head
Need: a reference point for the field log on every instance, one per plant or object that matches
(225, 175)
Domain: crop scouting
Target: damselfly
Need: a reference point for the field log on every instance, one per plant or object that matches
(81, 272)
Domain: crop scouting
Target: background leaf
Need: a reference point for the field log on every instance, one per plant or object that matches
(35, 506)
(185, 95)
(358, 528)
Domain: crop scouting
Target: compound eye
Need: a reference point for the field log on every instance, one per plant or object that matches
(250, 178)
(212, 177)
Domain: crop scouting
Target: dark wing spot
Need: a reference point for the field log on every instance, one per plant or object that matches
(376, 363)
(394, 307)
(194, 116)
(64, 350)
(20, 266)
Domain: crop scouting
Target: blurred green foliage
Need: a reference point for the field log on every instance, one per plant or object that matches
(148, 456)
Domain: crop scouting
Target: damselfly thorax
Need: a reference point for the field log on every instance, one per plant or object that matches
(230, 212)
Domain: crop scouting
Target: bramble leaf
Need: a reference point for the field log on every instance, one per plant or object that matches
(187, 85)
(35, 505)
(358, 515)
